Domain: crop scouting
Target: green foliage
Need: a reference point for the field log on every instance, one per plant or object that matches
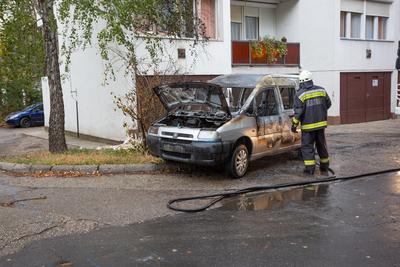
(119, 28)
(21, 56)
(274, 49)
(118, 24)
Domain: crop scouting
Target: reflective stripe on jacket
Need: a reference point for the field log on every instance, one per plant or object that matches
(311, 107)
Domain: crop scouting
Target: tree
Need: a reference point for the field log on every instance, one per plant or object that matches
(57, 143)
(21, 56)
(122, 27)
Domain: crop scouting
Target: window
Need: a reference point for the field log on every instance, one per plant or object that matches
(287, 94)
(369, 27)
(207, 16)
(266, 104)
(252, 28)
(236, 31)
(355, 25)
(195, 16)
(382, 25)
(343, 24)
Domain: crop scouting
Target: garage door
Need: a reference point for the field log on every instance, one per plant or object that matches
(364, 96)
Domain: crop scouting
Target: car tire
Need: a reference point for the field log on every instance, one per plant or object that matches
(25, 122)
(238, 164)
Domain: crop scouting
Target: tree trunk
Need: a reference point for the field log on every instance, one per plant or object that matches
(57, 142)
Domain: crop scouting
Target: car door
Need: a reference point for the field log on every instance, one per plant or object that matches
(270, 120)
(287, 92)
(37, 115)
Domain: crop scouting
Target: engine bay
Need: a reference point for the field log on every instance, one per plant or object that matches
(196, 119)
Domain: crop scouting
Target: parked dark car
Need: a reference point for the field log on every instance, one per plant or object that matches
(30, 116)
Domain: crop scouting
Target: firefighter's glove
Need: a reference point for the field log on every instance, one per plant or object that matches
(295, 123)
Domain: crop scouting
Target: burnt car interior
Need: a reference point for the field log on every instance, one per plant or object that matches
(236, 97)
(196, 105)
(201, 105)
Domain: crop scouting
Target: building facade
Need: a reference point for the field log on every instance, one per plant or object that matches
(349, 45)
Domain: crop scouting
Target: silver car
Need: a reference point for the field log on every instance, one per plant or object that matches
(230, 120)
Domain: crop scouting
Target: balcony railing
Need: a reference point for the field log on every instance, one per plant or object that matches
(242, 54)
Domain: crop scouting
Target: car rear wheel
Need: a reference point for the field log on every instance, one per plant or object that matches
(239, 162)
(25, 122)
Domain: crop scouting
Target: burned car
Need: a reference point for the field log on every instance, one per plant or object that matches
(231, 120)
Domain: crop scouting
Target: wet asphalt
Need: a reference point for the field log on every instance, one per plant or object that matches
(353, 223)
(118, 210)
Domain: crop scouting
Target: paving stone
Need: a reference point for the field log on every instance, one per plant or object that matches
(22, 167)
(40, 168)
(134, 168)
(112, 168)
(6, 166)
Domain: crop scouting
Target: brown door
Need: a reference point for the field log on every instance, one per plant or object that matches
(364, 96)
(375, 96)
(352, 97)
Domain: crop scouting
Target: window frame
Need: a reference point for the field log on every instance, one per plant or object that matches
(382, 26)
(360, 15)
(257, 29)
(373, 27)
(343, 24)
(255, 105)
(290, 97)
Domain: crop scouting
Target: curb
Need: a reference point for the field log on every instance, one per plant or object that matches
(104, 169)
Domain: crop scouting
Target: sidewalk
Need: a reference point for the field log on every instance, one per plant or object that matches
(15, 141)
(73, 141)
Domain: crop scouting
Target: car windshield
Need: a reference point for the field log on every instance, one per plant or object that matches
(176, 94)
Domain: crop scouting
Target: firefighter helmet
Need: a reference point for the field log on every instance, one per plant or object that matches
(305, 76)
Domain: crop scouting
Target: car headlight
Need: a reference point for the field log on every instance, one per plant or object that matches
(153, 130)
(12, 117)
(209, 135)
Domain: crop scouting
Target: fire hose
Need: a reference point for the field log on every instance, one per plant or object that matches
(217, 197)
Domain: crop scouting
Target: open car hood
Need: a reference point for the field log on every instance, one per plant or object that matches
(193, 96)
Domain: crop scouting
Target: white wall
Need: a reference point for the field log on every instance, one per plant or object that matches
(287, 20)
(267, 21)
(97, 114)
(350, 55)
(323, 51)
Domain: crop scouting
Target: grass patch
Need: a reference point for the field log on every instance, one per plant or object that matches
(84, 157)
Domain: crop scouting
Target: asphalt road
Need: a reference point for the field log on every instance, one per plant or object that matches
(80, 205)
(354, 223)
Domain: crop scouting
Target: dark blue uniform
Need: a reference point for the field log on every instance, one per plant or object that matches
(311, 112)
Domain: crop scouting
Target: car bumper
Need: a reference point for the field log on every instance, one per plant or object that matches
(194, 152)
(13, 122)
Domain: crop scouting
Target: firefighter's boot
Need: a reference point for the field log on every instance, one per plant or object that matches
(309, 170)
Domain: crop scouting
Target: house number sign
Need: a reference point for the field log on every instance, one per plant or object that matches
(375, 82)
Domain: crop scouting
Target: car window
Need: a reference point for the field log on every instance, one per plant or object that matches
(38, 108)
(235, 97)
(265, 103)
(287, 94)
(246, 94)
(29, 107)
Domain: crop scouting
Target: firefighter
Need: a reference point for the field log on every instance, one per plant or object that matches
(310, 113)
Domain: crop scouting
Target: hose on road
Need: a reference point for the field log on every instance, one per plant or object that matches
(215, 198)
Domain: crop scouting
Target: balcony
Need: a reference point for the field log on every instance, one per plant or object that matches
(242, 55)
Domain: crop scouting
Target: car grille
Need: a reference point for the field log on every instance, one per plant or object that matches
(177, 154)
(177, 134)
(175, 141)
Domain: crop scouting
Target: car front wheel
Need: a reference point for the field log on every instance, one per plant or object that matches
(239, 162)
(25, 122)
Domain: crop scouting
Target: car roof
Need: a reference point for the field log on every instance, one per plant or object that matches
(246, 80)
